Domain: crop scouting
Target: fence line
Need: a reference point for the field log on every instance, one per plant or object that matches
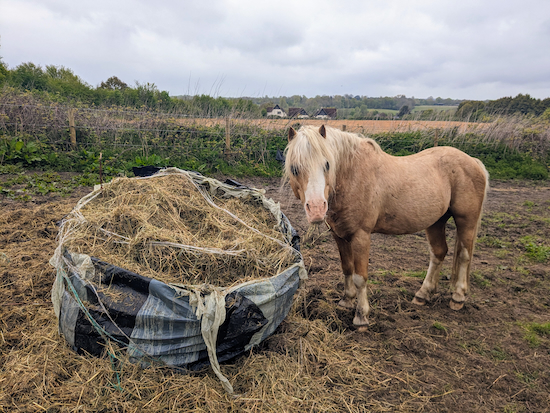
(72, 127)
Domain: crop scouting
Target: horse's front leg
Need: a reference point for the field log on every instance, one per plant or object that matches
(360, 246)
(346, 259)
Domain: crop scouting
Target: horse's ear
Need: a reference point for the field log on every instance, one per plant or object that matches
(291, 134)
(323, 131)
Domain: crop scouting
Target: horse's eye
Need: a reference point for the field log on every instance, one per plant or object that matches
(294, 170)
(327, 167)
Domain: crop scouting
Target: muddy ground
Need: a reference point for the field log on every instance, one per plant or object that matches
(492, 356)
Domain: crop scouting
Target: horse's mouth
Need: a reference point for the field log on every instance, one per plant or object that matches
(315, 219)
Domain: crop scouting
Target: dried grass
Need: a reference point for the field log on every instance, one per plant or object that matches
(168, 229)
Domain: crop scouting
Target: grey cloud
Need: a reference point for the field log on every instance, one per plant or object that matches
(432, 47)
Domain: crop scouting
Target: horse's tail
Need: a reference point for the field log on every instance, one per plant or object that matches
(486, 174)
(454, 276)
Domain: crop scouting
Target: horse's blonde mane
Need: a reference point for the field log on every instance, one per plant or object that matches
(309, 149)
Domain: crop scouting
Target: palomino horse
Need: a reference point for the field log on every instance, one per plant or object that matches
(349, 182)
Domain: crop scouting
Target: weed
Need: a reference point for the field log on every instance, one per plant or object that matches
(498, 353)
(513, 408)
(438, 326)
(493, 242)
(415, 274)
(530, 205)
(479, 279)
(501, 254)
(10, 169)
(475, 346)
(500, 218)
(527, 378)
(522, 270)
(534, 331)
(535, 251)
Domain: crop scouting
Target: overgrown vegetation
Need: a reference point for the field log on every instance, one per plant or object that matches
(36, 135)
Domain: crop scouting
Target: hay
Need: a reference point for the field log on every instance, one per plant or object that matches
(171, 229)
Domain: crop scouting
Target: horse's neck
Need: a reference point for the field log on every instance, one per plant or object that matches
(358, 168)
(359, 178)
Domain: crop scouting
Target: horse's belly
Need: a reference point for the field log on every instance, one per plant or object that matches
(408, 220)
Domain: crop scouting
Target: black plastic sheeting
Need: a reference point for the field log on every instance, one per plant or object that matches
(118, 317)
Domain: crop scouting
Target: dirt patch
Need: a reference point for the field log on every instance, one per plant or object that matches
(483, 358)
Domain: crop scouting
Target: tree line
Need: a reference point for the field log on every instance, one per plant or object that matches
(62, 85)
(476, 110)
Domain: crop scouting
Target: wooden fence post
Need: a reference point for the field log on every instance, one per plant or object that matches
(343, 128)
(436, 137)
(72, 128)
(227, 134)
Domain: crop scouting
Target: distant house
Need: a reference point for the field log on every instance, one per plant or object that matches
(297, 113)
(326, 113)
(276, 111)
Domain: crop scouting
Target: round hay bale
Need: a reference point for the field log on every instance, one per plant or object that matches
(177, 268)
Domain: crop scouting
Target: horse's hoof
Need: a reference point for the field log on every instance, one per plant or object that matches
(346, 304)
(456, 305)
(360, 322)
(419, 300)
(363, 329)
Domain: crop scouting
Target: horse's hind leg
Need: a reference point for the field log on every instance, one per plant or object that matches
(466, 232)
(438, 250)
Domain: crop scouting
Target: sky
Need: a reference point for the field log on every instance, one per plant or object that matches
(463, 49)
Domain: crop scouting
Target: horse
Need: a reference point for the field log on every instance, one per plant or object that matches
(350, 183)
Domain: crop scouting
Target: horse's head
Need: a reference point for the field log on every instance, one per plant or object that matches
(307, 167)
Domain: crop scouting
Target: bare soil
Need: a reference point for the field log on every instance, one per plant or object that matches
(431, 358)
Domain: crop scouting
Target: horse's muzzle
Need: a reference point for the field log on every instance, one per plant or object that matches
(316, 212)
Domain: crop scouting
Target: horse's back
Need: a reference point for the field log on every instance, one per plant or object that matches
(449, 163)
(417, 190)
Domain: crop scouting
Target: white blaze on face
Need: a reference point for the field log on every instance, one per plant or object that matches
(315, 202)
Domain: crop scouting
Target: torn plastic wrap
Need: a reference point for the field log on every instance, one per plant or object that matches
(184, 326)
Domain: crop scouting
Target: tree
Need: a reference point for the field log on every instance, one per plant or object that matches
(63, 81)
(29, 76)
(4, 72)
(113, 83)
(470, 110)
(403, 111)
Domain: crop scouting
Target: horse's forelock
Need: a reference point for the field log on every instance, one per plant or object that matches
(309, 150)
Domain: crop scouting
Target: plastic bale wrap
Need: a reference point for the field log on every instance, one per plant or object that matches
(187, 326)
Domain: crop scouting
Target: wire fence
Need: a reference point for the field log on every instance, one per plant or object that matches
(66, 127)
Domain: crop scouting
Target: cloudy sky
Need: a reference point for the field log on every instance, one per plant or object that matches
(463, 49)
